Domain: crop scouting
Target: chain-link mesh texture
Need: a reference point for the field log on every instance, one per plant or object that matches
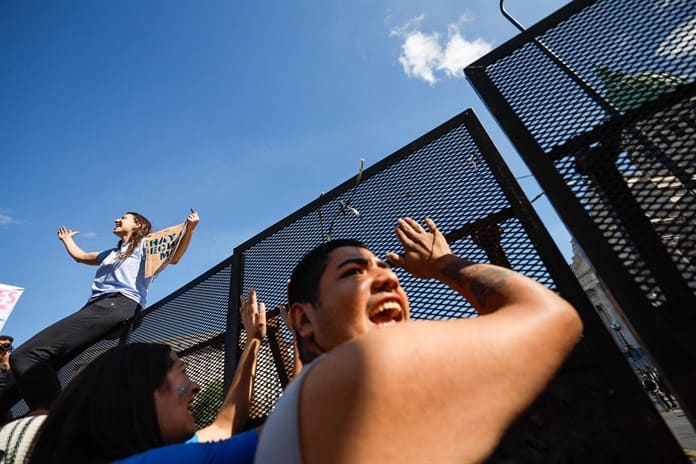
(193, 322)
(623, 139)
(448, 176)
(599, 99)
(446, 179)
(454, 175)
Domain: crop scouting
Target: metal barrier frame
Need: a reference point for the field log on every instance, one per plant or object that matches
(595, 392)
(668, 333)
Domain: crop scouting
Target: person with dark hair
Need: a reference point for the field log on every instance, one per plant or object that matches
(377, 387)
(304, 287)
(101, 399)
(133, 398)
(5, 350)
(119, 291)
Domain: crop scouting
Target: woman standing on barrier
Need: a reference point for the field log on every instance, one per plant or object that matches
(119, 291)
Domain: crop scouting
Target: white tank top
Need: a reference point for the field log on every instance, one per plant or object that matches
(280, 439)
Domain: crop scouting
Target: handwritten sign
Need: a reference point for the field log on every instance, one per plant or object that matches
(160, 247)
(8, 299)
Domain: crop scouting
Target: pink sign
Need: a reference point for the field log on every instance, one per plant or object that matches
(8, 298)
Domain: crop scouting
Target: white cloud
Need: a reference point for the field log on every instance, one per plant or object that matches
(463, 19)
(460, 52)
(6, 219)
(420, 55)
(88, 234)
(408, 26)
(423, 56)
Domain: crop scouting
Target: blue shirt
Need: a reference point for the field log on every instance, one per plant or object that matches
(240, 449)
(125, 276)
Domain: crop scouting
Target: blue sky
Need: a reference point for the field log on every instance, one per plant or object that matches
(245, 111)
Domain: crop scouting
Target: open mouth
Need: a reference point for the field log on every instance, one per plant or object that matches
(387, 313)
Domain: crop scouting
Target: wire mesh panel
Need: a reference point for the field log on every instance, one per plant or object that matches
(193, 321)
(599, 99)
(455, 176)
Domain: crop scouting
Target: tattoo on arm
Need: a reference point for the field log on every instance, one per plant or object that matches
(486, 285)
(483, 284)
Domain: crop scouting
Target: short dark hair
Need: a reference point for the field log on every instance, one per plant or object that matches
(108, 410)
(304, 281)
(6, 337)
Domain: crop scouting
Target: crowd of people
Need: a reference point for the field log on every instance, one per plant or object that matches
(372, 384)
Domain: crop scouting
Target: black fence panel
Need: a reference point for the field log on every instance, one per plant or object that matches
(599, 100)
(594, 410)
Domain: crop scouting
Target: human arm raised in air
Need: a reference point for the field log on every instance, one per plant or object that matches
(192, 221)
(235, 409)
(297, 362)
(66, 235)
(438, 391)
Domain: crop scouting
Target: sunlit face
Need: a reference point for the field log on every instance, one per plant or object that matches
(357, 293)
(173, 401)
(125, 225)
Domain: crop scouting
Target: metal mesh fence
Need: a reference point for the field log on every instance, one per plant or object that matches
(193, 322)
(445, 178)
(599, 100)
(455, 176)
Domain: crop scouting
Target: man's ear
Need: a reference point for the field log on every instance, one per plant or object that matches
(300, 315)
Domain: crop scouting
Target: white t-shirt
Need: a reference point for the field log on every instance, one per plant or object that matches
(125, 276)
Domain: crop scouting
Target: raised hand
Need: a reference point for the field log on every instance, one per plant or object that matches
(192, 219)
(253, 316)
(64, 233)
(422, 249)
